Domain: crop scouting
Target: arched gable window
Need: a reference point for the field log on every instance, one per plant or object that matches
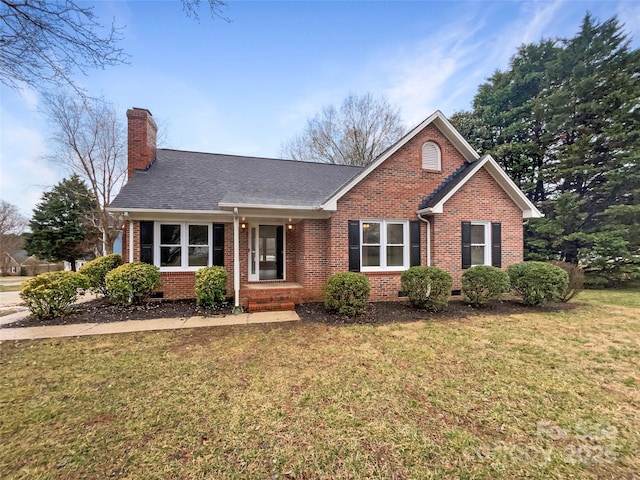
(431, 156)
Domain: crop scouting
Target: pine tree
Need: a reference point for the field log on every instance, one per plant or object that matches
(563, 121)
(60, 227)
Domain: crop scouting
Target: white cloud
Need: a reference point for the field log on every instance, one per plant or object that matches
(431, 74)
(24, 174)
(629, 15)
(444, 70)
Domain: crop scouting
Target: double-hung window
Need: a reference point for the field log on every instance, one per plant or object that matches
(384, 245)
(183, 246)
(480, 253)
(481, 244)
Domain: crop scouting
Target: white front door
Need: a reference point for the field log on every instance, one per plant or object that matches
(266, 252)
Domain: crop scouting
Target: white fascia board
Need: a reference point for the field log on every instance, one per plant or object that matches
(256, 212)
(449, 131)
(164, 210)
(436, 118)
(263, 206)
(529, 210)
(174, 215)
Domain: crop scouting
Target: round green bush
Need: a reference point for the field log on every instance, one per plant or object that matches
(132, 283)
(484, 284)
(97, 269)
(427, 287)
(50, 294)
(538, 282)
(347, 293)
(211, 286)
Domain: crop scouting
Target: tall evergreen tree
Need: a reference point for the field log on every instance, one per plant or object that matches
(60, 229)
(563, 121)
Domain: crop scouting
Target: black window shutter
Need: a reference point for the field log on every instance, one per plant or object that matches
(354, 245)
(414, 242)
(218, 244)
(146, 242)
(466, 245)
(496, 244)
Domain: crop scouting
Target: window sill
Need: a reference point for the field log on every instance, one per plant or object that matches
(179, 269)
(383, 272)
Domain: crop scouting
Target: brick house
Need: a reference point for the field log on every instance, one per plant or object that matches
(282, 227)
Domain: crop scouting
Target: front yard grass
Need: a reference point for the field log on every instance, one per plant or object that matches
(547, 395)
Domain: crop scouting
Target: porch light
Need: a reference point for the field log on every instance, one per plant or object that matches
(289, 226)
(243, 226)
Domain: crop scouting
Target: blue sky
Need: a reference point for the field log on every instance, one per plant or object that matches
(246, 86)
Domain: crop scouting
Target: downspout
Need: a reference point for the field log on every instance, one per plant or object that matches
(428, 238)
(236, 262)
(126, 216)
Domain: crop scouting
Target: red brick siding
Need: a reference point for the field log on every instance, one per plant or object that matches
(394, 191)
(312, 259)
(142, 133)
(480, 199)
(316, 249)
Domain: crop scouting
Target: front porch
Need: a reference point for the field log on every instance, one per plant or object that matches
(271, 296)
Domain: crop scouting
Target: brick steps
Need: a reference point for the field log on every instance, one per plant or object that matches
(271, 306)
(271, 299)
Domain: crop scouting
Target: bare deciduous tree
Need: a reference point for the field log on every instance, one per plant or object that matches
(43, 43)
(191, 8)
(12, 224)
(355, 134)
(90, 141)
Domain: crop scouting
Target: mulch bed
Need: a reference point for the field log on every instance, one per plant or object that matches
(387, 312)
(101, 311)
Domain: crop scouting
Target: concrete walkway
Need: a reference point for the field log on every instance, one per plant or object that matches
(77, 330)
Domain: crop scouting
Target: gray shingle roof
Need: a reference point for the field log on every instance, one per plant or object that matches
(451, 182)
(179, 180)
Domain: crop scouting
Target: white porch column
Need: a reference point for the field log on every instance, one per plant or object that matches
(126, 216)
(236, 262)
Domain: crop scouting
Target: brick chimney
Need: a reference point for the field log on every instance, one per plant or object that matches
(142, 140)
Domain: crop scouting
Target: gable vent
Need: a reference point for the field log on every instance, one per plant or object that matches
(431, 156)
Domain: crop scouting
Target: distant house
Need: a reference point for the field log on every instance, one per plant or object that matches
(10, 263)
(33, 266)
(281, 227)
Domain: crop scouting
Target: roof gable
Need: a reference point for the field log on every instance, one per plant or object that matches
(437, 119)
(434, 203)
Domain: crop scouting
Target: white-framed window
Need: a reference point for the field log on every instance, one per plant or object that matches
(480, 243)
(384, 245)
(183, 246)
(431, 156)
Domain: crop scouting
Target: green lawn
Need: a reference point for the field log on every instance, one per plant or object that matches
(549, 395)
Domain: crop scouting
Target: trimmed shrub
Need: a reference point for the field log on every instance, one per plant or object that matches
(50, 294)
(484, 284)
(538, 282)
(211, 286)
(347, 293)
(576, 280)
(95, 270)
(427, 287)
(132, 283)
